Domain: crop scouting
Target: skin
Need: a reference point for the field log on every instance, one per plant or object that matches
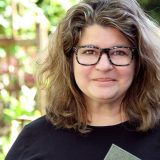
(103, 84)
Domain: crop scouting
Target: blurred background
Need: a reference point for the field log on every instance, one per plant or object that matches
(24, 29)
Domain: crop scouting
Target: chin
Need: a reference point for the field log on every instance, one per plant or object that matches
(105, 99)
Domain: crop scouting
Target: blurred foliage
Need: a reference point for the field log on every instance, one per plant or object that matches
(17, 85)
(151, 7)
(5, 13)
(54, 10)
(17, 91)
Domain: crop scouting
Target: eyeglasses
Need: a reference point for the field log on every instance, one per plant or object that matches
(90, 55)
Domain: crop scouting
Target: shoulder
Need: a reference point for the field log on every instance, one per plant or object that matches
(156, 129)
(41, 129)
(152, 135)
(39, 123)
(32, 137)
(35, 130)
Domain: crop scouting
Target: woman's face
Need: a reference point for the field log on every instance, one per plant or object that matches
(103, 82)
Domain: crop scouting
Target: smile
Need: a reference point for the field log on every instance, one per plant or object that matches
(104, 81)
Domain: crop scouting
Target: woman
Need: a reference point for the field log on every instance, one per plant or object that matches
(102, 75)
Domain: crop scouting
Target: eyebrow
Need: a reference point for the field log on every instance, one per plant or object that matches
(94, 46)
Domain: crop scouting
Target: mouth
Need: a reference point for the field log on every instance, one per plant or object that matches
(104, 82)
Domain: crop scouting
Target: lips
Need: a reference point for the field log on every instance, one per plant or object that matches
(104, 81)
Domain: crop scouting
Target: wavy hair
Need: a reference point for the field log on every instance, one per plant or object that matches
(66, 106)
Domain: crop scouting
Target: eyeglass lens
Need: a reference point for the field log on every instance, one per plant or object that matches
(91, 55)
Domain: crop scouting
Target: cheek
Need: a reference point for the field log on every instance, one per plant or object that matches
(127, 74)
(81, 73)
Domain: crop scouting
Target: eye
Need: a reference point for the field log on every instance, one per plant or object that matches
(119, 52)
(90, 52)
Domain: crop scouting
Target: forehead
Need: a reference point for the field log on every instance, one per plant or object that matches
(102, 36)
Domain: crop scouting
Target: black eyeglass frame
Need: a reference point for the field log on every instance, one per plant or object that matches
(105, 51)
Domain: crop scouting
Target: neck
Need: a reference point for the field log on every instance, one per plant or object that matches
(104, 114)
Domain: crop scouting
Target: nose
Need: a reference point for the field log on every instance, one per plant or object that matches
(104, 63)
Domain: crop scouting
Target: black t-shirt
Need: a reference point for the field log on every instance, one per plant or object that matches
(40, 140)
